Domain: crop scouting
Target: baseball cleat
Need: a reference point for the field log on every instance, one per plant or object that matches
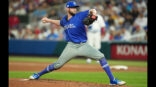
(117, 82)
(35, 76)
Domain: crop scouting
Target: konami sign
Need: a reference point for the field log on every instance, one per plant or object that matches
(129, 51)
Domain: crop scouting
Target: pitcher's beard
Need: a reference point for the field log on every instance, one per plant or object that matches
(71, 13)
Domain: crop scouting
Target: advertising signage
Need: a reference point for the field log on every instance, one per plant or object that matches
(129, 51)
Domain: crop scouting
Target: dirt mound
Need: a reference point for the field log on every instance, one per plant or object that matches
(53, 83)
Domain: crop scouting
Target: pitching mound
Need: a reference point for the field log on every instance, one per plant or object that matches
(53, 83)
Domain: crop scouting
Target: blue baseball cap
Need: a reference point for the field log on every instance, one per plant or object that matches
(71, 4)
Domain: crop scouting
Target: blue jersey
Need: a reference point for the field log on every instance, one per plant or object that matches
(74, 29)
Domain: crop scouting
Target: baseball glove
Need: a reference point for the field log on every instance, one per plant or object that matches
(89, 19)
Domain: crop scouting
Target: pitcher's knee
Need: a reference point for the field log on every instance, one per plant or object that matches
(100, 56)
(58, 65)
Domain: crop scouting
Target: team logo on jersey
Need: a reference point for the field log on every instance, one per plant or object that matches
(69, 26)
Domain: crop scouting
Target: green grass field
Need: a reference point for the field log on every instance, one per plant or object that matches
(133, 79)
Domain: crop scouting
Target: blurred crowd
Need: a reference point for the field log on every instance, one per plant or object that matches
(126, 20)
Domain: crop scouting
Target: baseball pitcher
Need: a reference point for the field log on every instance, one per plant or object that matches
(75, 34)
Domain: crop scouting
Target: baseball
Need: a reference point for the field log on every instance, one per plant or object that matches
(88, 60)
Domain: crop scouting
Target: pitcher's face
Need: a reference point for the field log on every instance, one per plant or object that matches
(72, 11)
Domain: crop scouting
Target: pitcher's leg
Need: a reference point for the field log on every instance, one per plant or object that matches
(64, 58)
(93, 53)
(106, 67)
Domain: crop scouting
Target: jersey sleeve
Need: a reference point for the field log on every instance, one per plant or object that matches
(83, 14)
(61, 22)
